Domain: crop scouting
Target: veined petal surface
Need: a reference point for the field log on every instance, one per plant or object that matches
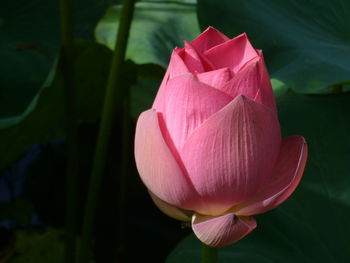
(216, 78)
(157, 166)
(231, 154)
(176, 67)
(188, 104)
(286, 177)
(252, 81)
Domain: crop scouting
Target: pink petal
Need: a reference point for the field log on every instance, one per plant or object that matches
(285, 178)
(222, 230)
(233, 53)
(176, 67)
(216, 78)
(252, 81)
(159, 101)
(194, 61)
(170, 210)
(158, 168)
(265, 93)
(208, 39)
(231, 154)
(188, 104)
(191, 59)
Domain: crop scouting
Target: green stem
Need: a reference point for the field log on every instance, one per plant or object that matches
(209, 254)
(114, 96)
(66, 67)
(123, 178)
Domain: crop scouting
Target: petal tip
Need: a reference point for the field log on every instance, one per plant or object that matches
(211, 28)
(241, 98)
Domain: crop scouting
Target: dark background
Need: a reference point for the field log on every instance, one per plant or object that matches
(306, 46)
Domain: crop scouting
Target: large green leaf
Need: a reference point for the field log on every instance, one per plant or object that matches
(312, 225)
(44, 118)
(306, 44)
(157, 28)
(30, 34)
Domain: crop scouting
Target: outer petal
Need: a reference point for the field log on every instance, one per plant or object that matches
(188, 104)
(216, 78)
(230, 155)
(222, 230)
(171, 210)
(157, 166)
(234, 53)
(286, 176)
(265, 93)
(176, 67)
(208, 39)
(252, 81)
(159, 101)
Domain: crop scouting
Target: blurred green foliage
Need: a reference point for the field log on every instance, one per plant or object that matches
(30, 34)
(157, 28)
(44, 118)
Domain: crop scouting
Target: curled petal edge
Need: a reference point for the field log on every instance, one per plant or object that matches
(221, 230)
(285, 178)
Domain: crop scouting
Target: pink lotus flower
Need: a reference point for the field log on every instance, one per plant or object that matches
(210, 149)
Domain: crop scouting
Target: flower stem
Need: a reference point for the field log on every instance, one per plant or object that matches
(66, 67)
(115, 93)
(123, 183)
(209, 254)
